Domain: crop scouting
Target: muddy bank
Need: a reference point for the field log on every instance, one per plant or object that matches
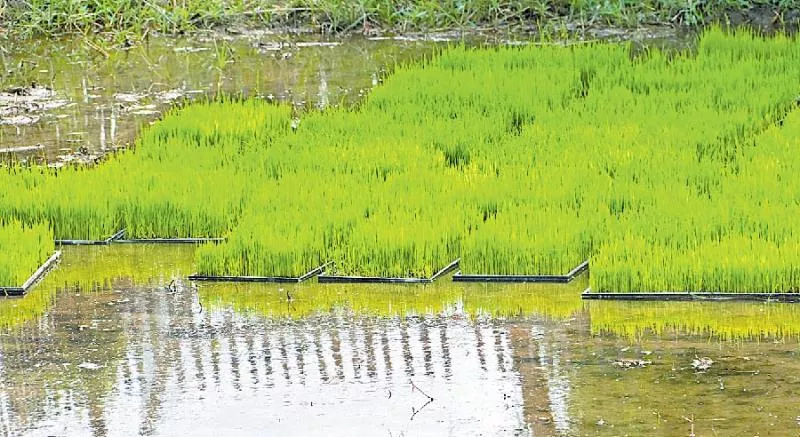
(764, 18)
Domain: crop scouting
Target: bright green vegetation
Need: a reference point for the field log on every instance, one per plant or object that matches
(669, 171)
(155, 190)
(130, 20)
(728, 321)
(23, 248)
(443, 299)
(732, 230)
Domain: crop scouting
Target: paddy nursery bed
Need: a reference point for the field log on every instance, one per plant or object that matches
(345, 279)
(666, 170)
(558, 279)
(27, 253)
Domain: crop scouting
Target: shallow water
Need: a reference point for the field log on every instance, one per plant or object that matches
(104, 346)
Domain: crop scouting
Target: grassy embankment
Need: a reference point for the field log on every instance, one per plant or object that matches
(668, 171)
(130, 20)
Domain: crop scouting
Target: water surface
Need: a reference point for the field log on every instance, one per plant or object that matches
(117, 342)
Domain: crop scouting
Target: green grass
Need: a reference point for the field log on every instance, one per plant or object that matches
(668, 171)
(129, 20)
(23, 248)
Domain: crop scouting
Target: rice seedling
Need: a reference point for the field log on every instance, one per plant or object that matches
(23, 249)
(520, 242)
(669, 171)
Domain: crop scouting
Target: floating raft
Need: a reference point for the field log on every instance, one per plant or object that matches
(105, 242)
(685, 296)
(555, 279)
(385, 280)
(37, 276)
(274, 279)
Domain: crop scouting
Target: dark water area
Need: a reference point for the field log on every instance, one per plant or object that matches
(117, 342)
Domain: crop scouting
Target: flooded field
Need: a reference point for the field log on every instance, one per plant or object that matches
(116, 342)
(71, 100)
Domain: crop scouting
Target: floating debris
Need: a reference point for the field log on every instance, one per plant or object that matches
(170, 95)
(190, 49)
(90, 366)
(268, 46)
(317, 44)
(128, 97)
(702, 364)
(628, 363)
(22, 149)
(21, 106)
(19, 120)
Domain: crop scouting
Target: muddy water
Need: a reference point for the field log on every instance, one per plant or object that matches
(117, 342)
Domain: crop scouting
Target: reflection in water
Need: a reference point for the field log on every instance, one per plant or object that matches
(169, 367)
(115, 352)
(456, 300)
(550, 360)
(723, 320)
